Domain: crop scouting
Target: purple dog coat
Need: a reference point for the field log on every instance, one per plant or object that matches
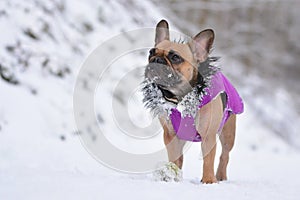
(185, 127)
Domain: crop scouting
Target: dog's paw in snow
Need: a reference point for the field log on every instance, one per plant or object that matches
(169, 172)
(209, 180)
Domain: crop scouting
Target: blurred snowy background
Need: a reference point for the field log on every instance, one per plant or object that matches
(44, 42)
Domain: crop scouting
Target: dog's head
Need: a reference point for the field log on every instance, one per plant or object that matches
(174, 67)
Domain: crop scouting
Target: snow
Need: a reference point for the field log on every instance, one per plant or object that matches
(41, 154)
(35, 165)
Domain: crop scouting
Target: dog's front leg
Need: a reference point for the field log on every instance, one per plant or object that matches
(173, 144)
(208, 120)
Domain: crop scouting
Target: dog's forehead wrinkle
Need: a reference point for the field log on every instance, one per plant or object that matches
(182, 49)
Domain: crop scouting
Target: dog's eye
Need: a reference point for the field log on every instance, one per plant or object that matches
(176, 58)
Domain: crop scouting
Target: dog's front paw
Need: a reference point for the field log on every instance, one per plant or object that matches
(209, 179)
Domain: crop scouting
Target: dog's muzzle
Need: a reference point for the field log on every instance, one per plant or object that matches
(170, 82)
(164, 77)
(159, 60)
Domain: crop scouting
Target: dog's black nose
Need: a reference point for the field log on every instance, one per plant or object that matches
(159, 60)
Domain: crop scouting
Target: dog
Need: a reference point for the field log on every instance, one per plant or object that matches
(192, 98)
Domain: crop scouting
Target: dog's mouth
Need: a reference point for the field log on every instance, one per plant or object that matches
(168, 95)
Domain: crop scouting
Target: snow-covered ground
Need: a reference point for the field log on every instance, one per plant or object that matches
(37, 165)
(41, 156)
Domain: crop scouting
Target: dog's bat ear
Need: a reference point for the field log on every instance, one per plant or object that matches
(202, 44)
(162, 31)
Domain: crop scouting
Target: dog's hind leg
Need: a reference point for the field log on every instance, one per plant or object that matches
(227, 140)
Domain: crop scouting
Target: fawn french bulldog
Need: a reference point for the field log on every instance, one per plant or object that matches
(193, 99)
